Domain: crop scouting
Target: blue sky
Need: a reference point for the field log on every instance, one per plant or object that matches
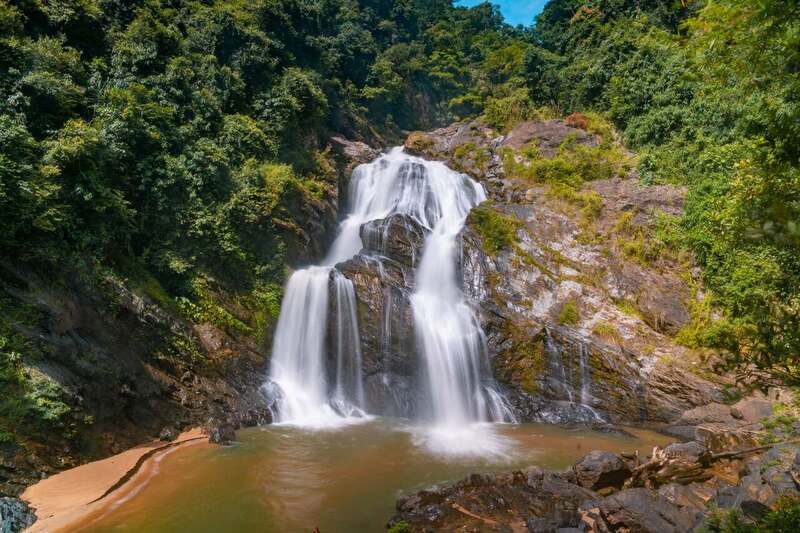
(514, 11)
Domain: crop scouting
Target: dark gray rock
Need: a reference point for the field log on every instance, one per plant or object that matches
(15, 515)
(168, 434)
(535, 498)
(389, 353)
(398, 237)
(599, 470)
(220, 431)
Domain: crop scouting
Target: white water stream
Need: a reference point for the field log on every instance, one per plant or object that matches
(458, 390)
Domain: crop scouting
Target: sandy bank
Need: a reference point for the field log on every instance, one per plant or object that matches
(71, 498)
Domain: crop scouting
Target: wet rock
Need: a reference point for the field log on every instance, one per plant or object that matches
(168, 434)
(641, 510)
(523, 287)
(398, 237)
(220, 431)
(599, 470)
(382, 287)
(257, 416)
(15, 515)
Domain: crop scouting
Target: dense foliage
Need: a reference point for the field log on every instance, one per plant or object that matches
(182, 144)
(708, 92)
(159, 130)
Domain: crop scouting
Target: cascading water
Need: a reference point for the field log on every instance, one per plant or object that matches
(298, 366)
(458, 385)
(450, 337)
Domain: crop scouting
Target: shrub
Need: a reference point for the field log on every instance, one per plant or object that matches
(569, 314)
(498, 231)
(400, 527)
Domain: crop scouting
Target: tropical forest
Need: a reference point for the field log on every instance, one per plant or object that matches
(336, 266)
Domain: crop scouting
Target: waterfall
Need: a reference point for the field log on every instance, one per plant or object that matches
(586, 376)
(298, 363)
(458, 388)
(349, 393)
(451, 339)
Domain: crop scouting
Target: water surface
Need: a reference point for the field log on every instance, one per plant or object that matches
(289, 479)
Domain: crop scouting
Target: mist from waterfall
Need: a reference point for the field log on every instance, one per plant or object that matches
(456, 378)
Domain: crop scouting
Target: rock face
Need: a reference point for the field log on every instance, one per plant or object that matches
(116, 356)
(547, 136)
(398, 237)
(617, 360)
(383, 286)
(602, 494)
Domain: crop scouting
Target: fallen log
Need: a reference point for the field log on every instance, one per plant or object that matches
(663, 469)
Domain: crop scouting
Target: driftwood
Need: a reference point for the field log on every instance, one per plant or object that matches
(662, 468)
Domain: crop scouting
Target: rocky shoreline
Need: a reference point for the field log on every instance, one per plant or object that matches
(673, 490)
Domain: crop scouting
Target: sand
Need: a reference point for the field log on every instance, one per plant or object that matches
(66, 500)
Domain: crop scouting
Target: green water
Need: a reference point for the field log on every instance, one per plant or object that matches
(283, 479)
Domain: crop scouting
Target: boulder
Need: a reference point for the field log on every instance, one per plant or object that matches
(15, 515)
(599, 470)
(692, 451)
(752, 410)
(693, 495)
(353, 152)
(168, 434)
(712, 413)
(220, 431)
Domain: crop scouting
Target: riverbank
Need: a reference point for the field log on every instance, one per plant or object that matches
(677, 489)
(80, 494)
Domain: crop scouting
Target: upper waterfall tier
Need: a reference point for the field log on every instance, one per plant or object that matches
(399, 184)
